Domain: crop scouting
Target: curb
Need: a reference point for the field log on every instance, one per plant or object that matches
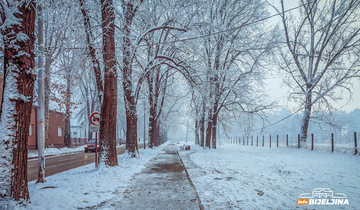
(191, 183)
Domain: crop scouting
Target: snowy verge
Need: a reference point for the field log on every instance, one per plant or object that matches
(55, 151)
(58, 151)
(234, 176)
(87, 186)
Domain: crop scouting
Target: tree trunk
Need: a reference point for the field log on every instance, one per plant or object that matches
(197, 132)
(67, 138)
(214, 123)
(19, 64)
(152, 112)
(208, 133)
(305, 120)
(202, 126)
(152, 128)
(131, 131)
(108, 153)
(129, 10)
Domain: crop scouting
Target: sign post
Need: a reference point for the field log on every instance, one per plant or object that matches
(95, 127)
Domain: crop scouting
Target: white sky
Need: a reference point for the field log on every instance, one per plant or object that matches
(276, 91)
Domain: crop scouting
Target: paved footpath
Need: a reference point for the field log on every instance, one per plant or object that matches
(163, 184)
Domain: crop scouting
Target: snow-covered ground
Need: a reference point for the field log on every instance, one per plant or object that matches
(237, 176)
(87, 186)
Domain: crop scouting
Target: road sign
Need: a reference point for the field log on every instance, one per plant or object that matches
(95, 119)
(94, 128)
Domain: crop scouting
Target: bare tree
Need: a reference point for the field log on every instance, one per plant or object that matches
(231, 59)
(57, 27)
(324, 54)
(17, 28)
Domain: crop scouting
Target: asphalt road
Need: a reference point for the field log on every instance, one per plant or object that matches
(57, 164)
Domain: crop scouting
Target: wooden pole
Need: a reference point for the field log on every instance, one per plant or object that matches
(298, 141)
(312, 142)
(332, 142)
(355, 143)
(270, 141)
(287, 140)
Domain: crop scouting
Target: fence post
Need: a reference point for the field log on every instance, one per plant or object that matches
(332, 142)
(263, 140)
(287, 140)
(355, 143)
(277, 140)
(312, 142)
(247, 140)
(257, 140)
(298, 141)
(251, 140)
(270, 141)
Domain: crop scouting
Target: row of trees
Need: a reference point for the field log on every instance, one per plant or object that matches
(98, 51)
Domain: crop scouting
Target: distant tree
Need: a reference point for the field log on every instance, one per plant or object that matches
(17, 28)
(322, 54)
(57, 27)
(157, 60)
(233, 45)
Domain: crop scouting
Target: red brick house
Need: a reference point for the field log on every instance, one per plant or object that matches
(56, 129)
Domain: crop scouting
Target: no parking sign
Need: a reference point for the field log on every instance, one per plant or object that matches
(95, 122)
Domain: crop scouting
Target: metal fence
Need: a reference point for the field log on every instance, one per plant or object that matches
(332, 142)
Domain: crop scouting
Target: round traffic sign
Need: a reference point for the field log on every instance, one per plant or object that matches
(95, 118)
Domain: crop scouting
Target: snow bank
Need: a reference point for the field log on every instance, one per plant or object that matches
(87, 186)
(56, 151)
(236, 176)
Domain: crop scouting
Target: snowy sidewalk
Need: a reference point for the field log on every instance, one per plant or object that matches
(163, 184)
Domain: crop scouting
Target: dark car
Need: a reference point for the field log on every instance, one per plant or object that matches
(121, 141)
(90, 146)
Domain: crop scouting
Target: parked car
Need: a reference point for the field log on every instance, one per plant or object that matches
(122, 141)
(90, 146)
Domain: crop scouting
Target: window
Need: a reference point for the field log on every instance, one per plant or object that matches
(75, 134)
(60, 131)
(31, 130)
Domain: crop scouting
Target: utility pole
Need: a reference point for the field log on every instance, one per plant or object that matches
(41, 101)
